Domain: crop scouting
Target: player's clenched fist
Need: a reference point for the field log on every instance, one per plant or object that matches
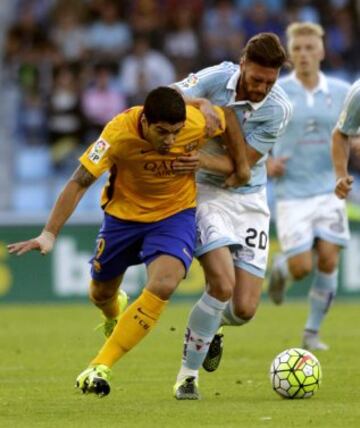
(43, 243)
(343, 186)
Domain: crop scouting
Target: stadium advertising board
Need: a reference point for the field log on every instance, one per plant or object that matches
(63, 275)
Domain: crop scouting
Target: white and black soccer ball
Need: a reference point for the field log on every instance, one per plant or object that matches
(295, 373)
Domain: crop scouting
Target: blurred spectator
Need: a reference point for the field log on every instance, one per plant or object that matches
(64, 118)
(101, 101)
(194, 7)
(147, 18)
(342, 52)
(273, 6)
(222, 32)
(258, 19)
(68, 32)
(302, 10)
(144, 69)
(181, 42)
(31, 112)
(109, 37)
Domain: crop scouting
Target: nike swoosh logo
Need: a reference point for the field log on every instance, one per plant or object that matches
(144, 313)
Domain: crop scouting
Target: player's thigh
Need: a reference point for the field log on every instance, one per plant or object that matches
(219, 272)
(300, 265)
(247, 293)
(328, 256)
(164, 274)
(104, 290)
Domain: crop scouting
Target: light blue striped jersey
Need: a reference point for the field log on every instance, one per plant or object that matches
(307, 139)
(262, 122)
(349, 121)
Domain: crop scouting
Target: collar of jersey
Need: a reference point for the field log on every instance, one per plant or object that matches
(321, 87)
(232, 84)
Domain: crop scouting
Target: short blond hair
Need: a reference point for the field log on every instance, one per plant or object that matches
(304, 29)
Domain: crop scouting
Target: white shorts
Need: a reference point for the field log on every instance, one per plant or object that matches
(300, 221)
(234, 220)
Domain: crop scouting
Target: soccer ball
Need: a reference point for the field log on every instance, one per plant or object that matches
(295, 373)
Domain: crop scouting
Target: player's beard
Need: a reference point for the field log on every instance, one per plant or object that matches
(254, 97)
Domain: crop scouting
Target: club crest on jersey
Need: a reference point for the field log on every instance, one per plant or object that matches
(98, 150)
(191, 81)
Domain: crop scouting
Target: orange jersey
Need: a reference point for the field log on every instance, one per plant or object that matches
(142, 185)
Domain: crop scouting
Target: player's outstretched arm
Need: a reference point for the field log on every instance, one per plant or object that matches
(340, 158)
(64, 206)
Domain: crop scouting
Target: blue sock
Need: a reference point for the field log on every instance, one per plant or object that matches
(229, 317)
(203, 323)
(321, 295)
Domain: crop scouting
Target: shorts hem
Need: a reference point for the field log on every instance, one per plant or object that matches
(342, 242)
(260, 273)
(214, 245)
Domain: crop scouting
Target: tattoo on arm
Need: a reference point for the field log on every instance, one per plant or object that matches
(83, 177)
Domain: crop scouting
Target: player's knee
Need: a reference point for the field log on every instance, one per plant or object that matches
(221, 287)
(300, 271)
(327, 265)
(244, 312)
(163, 286)
(100, 293)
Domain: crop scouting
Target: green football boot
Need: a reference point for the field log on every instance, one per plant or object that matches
(215, 351)
(109, 324)
(94, 380)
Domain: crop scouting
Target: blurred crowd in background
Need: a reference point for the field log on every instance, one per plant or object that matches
(69, 66)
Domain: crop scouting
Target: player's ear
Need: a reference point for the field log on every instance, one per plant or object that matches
(144, 124)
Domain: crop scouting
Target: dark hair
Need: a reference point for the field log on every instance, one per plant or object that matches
(164, 104)
(265, 49)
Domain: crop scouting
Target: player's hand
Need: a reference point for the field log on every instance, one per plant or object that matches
(186, 164)
(212, 119)
(343, 186)
(276, 166)
(43, 243)
(238, 178)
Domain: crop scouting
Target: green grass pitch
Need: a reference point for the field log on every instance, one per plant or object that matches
(43, 348)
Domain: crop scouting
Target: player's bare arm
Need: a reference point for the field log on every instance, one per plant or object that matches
(213, 122)
(64, 206)
(340, 157)
(235, 142)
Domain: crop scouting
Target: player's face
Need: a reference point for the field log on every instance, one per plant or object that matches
(306, 53)
(162, 135)
(256, 81)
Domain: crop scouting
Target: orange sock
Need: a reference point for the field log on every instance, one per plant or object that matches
(133, 325)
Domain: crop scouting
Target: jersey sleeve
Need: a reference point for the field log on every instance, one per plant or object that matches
(201, 84)
(271, 125)
(349, 120)
(96, 158)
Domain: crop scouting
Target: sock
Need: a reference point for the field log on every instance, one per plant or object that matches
(321, 295)
(229, 317)
(203, 323)
(133, 325)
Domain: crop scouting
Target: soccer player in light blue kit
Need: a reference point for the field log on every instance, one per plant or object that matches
(310, 220)
(347, 127)
(232, 225)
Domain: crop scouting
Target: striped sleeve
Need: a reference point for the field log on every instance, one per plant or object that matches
(349, 120)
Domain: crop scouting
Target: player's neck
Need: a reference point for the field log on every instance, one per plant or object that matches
(309, 80)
